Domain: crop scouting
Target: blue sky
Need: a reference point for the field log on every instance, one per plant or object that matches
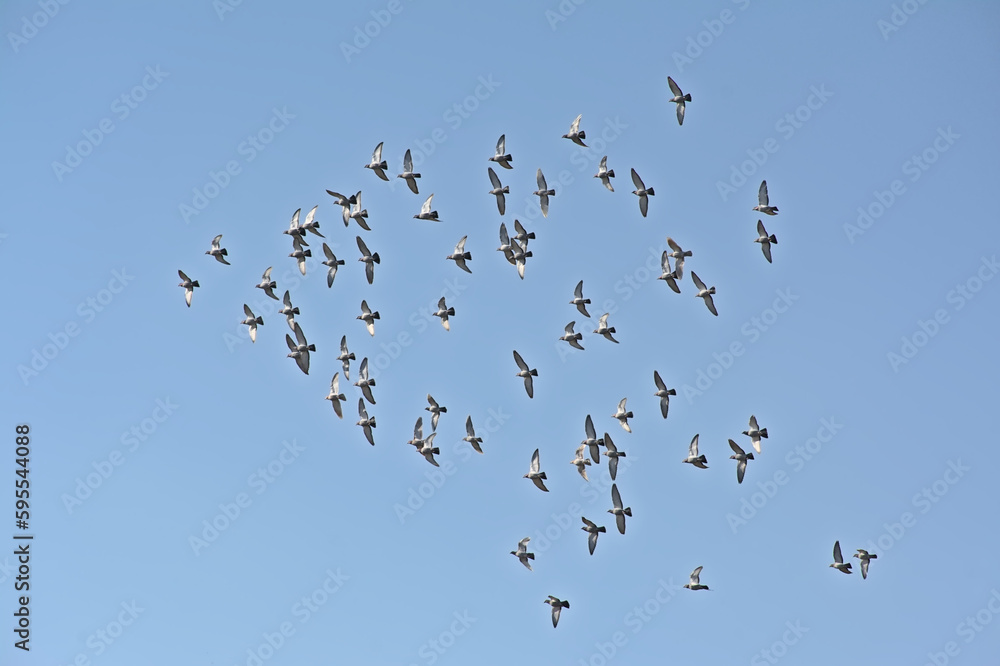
(134, 134)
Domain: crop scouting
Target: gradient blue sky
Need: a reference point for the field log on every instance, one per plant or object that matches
(857, 436)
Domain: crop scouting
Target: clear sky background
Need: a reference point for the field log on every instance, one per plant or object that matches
(837, 106)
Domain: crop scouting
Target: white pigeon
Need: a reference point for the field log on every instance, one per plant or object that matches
(522, 553)
(436, 411)
(425, 211)
(300, 347)
(704, 293)
(693, 457)
(499, 190)
(523, 235)
(345, 203)
(865, 557)
(444, 312)
(663, 393)
(252, 321)
(366, 423)
(592, 530)
(368, 317)
(678, 255)
(526, 373)
(605, 174)
(838, 560)
(579, 301)
(501, 156)
(377, 164)
(762, 201)
(219, 253)
(520, 254)
(741, 457)
(311, 224)
(364, 383)
(581, 462)
(666, 274)
(188, 285)
(288, 310)
(557, 606)
(755, 433)
(460, 256)
(346, 356)
(299, 254)
(535, 474)
(592, 441)
(623, 415)
(470, 435)
(765, 240)
(572, 338)
(428, 450)
(603, 329)
(505, 245)
(617, 510)
(331, 263)
(695, 582)
(642, 192)
(680, 99)
(613, 454)
(294, 230)
(335, 396)
(369, 258)
(408, 174)
(574, 134)
(359, 214)
(267, 284)
(543, 193)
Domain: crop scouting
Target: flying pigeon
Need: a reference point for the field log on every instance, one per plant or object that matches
(678, 254)
(460, 256)
(572, 338)
(444, 312)
(755, 433)
(762, 201)
(499, 190)
(345, 203)
(602, 327)
(288, 310)
(470, 435)
(425, 211)
(311, 224)
(663, 393)
(188, 285)
(364, 383)
(523, 236)
(574, 134)
(618, 511)
(418, 434)
(704, 293)
(623, 416)
(366, 423)
(299, 254)
(526, 373)
(543, 192)
(865, 558)
(741, 457)
(695, 583)
(369, 258)
(219, 253)
(838, 560)
(522, 553)
(408, 174)
(300, 349)
(693, 457)
(667, 275)
(377, 164)
(679, 98)
(557, 606)
(335, 396)
(294, 230)
(592, 441)
(436, 411)
(520, 254)
(642, 192)
(428, 450)
(579, 301)
(331, 263)
(359, 214)
(581, 462)
(765, 241)
(593, 530)
(368, 317)
(267, 284)
(505, 245)
(604, 174)
(252, 321)
(501, 156)
(535, 474)
(346, 356)
(613, 454)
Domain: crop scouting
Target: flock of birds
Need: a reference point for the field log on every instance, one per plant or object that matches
(515, 251)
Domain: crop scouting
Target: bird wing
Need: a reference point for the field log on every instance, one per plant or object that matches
(693, 447)
(838, 557)
(377, 155)
(762, 193)
(736, 448)
(674, 88)
(535, 464)
(501, 145)
(658, 381)
(407, 161)
(616, 498)
(637, 181)
(697, 281)
(248, 311)
(540, 179)
(520, 361)
(364, 248)
(575, 125)
(494, 179)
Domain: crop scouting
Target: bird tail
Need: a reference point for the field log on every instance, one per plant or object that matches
(444, 410)
(371, 421)
(602, 529)
(385, 165)
(749, 456)
(375, 315)
(224, 252)
(650, 192)
(582, 135)
(312, 348)
(364, 213)
(528, 254)
(586, 301)
(873, 557)
(621, 454)
(628, 415)
(467, 256)
(451, 313)
(340, 262)
(307, 253)
(195, 284)
(763, 433)
(772, 239)
(671, 391)
(543, 477)
(534, 373)
(712, 290)
(436, 451)
(702, 459)
(376, 258)
(774, 208)
(551, 193)
(506, 189)
(371, 382)
(611, 173)
(612, 330)
(260, 320)
(295, 310)
(530, 556)
(687, 97)
(628, 511)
